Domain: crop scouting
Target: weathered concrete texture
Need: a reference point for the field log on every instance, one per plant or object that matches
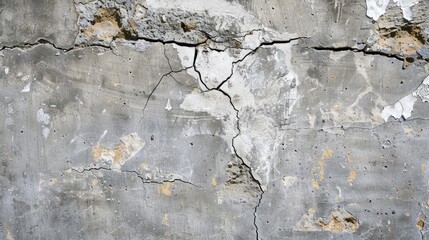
(214, 120)
(25, 22)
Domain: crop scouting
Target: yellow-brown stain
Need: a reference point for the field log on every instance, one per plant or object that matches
(421, 221)
(406, 40)
(165, 220)
(326, 155)
(118, 150)
(320, 165)
(314, 171)
(349, 224)
(352, 172)
(97, 152)
(213, 181)
(423, 167)
(165, 189)
(116, 153)
(106, 25)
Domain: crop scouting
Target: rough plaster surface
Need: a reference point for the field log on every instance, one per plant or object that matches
(223, 119)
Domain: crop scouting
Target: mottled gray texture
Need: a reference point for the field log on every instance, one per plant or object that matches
(223, 119)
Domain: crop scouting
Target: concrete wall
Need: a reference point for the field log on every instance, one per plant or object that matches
(220, 119)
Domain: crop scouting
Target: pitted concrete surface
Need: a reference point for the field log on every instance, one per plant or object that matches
(223, 119)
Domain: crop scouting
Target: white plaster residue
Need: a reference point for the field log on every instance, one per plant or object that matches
(376, 8)
(43, 117)
(25, 78)
(185, 54)
(214, 67)
(6, 70)
(423, 91)
(168, 105)
(45, 132)
(215, 104)
(288, 181)
(404, 107)
(26, 87)
(9, 115)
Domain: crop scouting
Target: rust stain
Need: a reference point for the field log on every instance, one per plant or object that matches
(421, 221)
(165, 189)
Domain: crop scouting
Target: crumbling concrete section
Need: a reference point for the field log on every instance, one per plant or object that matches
(223, 119)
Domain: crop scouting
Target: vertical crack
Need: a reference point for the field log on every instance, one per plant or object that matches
(243, 162)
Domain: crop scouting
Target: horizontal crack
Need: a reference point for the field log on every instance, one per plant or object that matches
(148, 181)
(355, 49)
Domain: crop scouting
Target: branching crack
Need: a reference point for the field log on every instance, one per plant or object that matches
(158, 83)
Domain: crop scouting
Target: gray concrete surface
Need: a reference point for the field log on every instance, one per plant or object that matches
(223, 119)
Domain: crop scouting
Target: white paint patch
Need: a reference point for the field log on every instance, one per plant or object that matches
(376, 8)
(406, 7)
(404, 107)
(26, 87)
(43, 117)
(168, 105)
(6, 70)
(288, 181)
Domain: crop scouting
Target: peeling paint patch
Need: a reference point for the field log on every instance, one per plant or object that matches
(376, 8)
(129, 146)
(404, 107)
